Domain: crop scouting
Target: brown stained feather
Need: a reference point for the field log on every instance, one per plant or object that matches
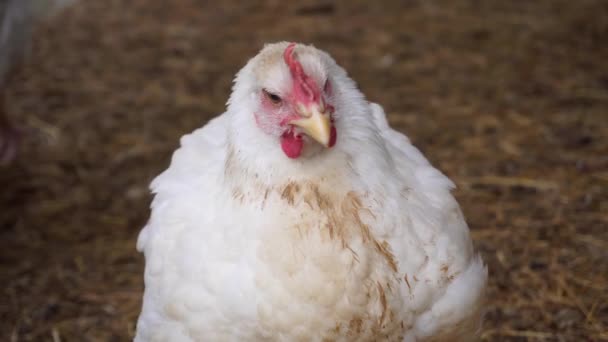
(407, 282)
(290, 191)
(330, 229)
(322, 201)
(266, 193)
(243, 191)
(384, 249)
(423, 265)
(355, 326)
(382, 297)
(345, 223)
(391, 315)
(445, 271)
(352, 205)
(238, 195)
(342, 216)
(355, 255)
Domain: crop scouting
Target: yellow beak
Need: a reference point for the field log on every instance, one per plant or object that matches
(315, 124)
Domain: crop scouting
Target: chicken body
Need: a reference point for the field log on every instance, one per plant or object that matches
(361, 241)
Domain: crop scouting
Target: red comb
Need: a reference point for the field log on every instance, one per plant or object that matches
(305, 88)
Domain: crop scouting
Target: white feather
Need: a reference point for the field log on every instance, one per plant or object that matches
(361, 242)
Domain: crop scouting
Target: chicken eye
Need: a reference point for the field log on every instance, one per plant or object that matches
(274, 98)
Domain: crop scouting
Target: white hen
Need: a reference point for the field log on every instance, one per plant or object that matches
(300, 215)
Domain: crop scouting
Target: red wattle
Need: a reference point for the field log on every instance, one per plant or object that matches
(291, 144)
(333, 136)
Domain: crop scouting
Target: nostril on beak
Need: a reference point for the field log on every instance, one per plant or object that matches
(321, 106)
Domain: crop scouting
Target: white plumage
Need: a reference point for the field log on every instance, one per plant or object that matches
(358, 242)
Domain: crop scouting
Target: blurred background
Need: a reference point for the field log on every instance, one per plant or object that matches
(508, 98)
